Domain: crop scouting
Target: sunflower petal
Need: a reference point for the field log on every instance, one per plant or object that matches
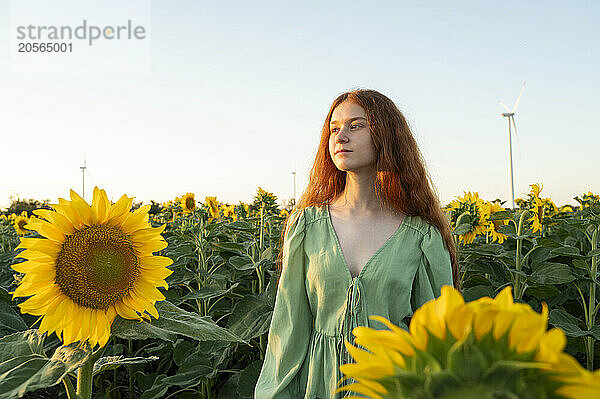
(100, 206)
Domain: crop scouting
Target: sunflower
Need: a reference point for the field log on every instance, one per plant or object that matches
(213, 206)
(489, 209)
(94, 263)
(284, 213)
(19, 224)
(536, 207)
(188, 203)
(472, 205)
(482, 349)
(229, 211)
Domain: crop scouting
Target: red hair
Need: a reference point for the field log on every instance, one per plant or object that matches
(402, 180)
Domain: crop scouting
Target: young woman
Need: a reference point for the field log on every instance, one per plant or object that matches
(368, 237)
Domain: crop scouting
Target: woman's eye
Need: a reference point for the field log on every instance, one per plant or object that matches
(355, 126)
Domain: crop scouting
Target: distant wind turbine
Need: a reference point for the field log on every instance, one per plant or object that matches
(511, 115)
(83, 168)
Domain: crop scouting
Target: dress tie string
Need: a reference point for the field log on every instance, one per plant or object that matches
(355, 315)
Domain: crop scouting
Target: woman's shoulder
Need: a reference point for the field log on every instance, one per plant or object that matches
(309, 214)
(417, 223)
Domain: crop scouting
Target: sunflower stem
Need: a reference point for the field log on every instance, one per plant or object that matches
(590, 341)
(518, 293)
(85, 375)
(129, 373)
(71, 394)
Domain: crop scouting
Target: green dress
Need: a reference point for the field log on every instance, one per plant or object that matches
(319, 302)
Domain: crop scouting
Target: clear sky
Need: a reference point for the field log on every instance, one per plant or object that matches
(236, 93)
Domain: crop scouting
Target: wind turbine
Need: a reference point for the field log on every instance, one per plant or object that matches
(83, 168)
(511, 116)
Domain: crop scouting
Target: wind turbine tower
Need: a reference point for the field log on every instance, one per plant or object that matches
(511, 116)
(83, 178)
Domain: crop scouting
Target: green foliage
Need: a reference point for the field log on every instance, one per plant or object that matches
(18, 205)
(210, 338)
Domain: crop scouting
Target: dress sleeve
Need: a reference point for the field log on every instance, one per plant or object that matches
(435, 269)
(291, 322)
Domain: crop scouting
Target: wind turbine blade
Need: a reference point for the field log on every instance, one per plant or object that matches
(504, 105)
(517, 137)
(519, 98)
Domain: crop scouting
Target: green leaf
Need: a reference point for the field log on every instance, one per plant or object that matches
(463, 229)
(241, 262)
(113, 362)
(492, 250)
(542, 291)
(158, 389)
(508, 229)
(10, 321)
(20, 344)
(24, 367)
(593, 252)
(477, 292)
(250, 317)
(173, 321)
(209, 292)
(266, 254)
(539, 255)
(547, 242)
(568, 323)
(248, 378)
(241, 225)
(567, 251)
(501, 215)
(581, 264)
(229, 247)
(552, 273)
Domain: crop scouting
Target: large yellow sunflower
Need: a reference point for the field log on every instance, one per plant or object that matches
(95, 262)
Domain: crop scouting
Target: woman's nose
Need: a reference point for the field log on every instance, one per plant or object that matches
(342, 135)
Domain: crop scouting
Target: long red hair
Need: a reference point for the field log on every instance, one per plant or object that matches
(402, 180)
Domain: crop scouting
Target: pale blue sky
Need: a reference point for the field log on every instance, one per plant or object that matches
(238, 92)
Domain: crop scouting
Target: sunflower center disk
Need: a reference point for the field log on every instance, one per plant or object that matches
(97, 266)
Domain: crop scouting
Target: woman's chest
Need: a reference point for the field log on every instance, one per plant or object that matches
(386, 266)
(360, 241)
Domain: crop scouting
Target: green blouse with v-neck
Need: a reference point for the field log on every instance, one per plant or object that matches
(318, 302)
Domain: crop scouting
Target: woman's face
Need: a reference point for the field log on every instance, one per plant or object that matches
(348, 130)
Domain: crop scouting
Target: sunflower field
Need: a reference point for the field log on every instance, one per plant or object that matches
(174, 300)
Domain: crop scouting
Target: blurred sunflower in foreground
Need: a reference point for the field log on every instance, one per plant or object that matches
(488, 348)
(96, 261)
